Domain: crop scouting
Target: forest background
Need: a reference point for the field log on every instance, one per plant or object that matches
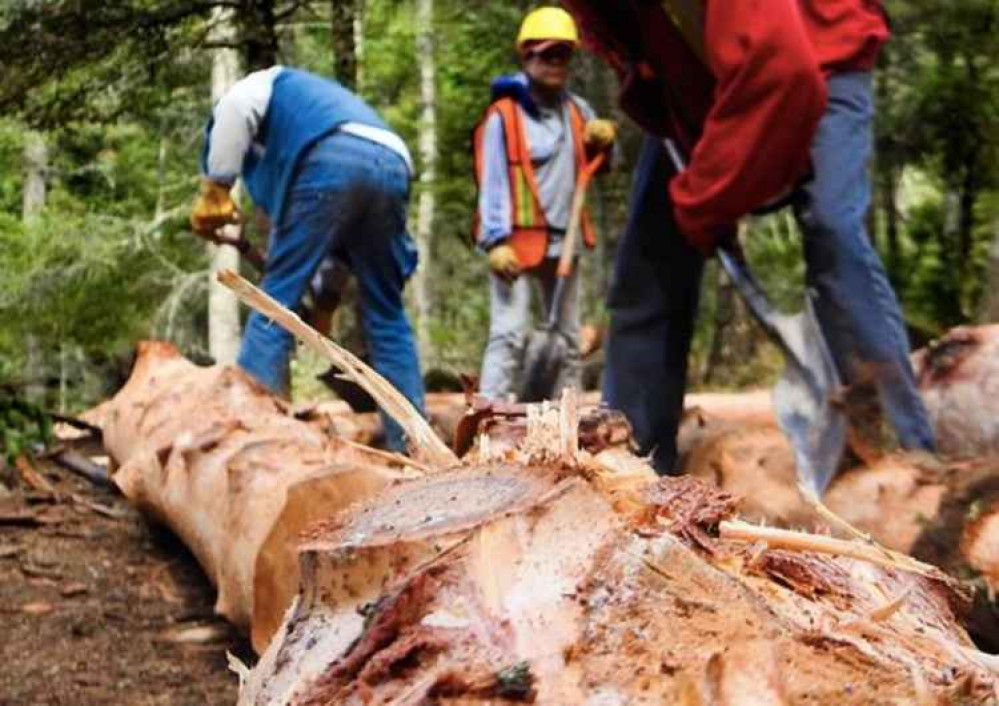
(103, 104)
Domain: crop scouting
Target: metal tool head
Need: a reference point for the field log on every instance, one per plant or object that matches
(803, 397)
(803, 402)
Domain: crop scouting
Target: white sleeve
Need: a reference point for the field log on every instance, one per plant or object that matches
(237, 119)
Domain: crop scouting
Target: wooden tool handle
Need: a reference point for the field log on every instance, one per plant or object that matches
(576, 214)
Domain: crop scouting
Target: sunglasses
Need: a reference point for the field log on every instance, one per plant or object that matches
(558, 54)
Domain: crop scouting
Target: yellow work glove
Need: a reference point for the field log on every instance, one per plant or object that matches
(503, 261)
(213, 209)
(600, 134)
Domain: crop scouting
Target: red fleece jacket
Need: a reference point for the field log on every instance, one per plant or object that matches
(746, 104)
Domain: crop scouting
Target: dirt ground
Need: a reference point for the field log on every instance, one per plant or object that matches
(98, 607)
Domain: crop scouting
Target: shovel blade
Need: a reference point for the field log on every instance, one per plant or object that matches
(544, 357)
(803, 401)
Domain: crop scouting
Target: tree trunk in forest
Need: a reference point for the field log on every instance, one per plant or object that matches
(359, 10)
(36, 160)
(951, 244)
(258, 34)
(988, 311)
(966, 219)
(343, 18)
(223, 307)
(428, 174)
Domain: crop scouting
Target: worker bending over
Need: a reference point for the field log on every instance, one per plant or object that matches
(531, 146)
(766, 100)
(334, 182)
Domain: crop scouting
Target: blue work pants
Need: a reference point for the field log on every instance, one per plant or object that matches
(348, 199)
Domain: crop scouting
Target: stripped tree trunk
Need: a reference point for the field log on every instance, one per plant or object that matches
(223, 307)
(36, 160)
(428, 175)
(32, 202)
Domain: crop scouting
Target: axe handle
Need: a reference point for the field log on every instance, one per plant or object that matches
(238, 240)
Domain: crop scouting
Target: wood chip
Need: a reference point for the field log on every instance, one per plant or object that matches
(7, 552)
(73, 589)
(105, 510)
(195, 635)
(32, 477)
(802, 541)
(33, 570)
(37, 608)
(19, 518)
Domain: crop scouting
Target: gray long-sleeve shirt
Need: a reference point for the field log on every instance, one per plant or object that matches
(553, 158)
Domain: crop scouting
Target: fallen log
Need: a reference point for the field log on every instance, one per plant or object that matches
(519, 577)
(544, 571)
(959, 381)
(211, 454)
(942, 511)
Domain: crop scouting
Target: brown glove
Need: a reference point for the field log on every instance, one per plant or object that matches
(600, 134)
(503, 261)
(213, 208)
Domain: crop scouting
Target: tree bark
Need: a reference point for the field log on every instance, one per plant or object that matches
(359, 11)
(35, 164)
(258, 32)
(32, 203)
(223, 307)
(428, 175)
(988, 311)
(343, 17)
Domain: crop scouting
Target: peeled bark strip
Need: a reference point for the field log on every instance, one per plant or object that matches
(526, 576)
(425, 442)
(212, 455)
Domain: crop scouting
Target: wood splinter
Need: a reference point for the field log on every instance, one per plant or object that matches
(801, 541)
(428, 445)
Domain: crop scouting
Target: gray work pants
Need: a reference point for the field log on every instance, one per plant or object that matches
(509, 324)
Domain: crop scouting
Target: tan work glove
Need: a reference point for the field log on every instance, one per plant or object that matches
(600, 134)
(503, 261)
(213, 209)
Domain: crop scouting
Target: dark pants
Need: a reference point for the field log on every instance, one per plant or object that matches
(657, 278)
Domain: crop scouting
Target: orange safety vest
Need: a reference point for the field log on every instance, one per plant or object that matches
(529, 238)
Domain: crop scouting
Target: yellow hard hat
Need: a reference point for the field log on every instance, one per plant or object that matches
(547, 24)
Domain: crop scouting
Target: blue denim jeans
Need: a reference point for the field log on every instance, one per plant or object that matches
(348, 200)
(657, 278)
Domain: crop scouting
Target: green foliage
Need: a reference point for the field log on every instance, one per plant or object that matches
(22, 425)
(121, 90)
